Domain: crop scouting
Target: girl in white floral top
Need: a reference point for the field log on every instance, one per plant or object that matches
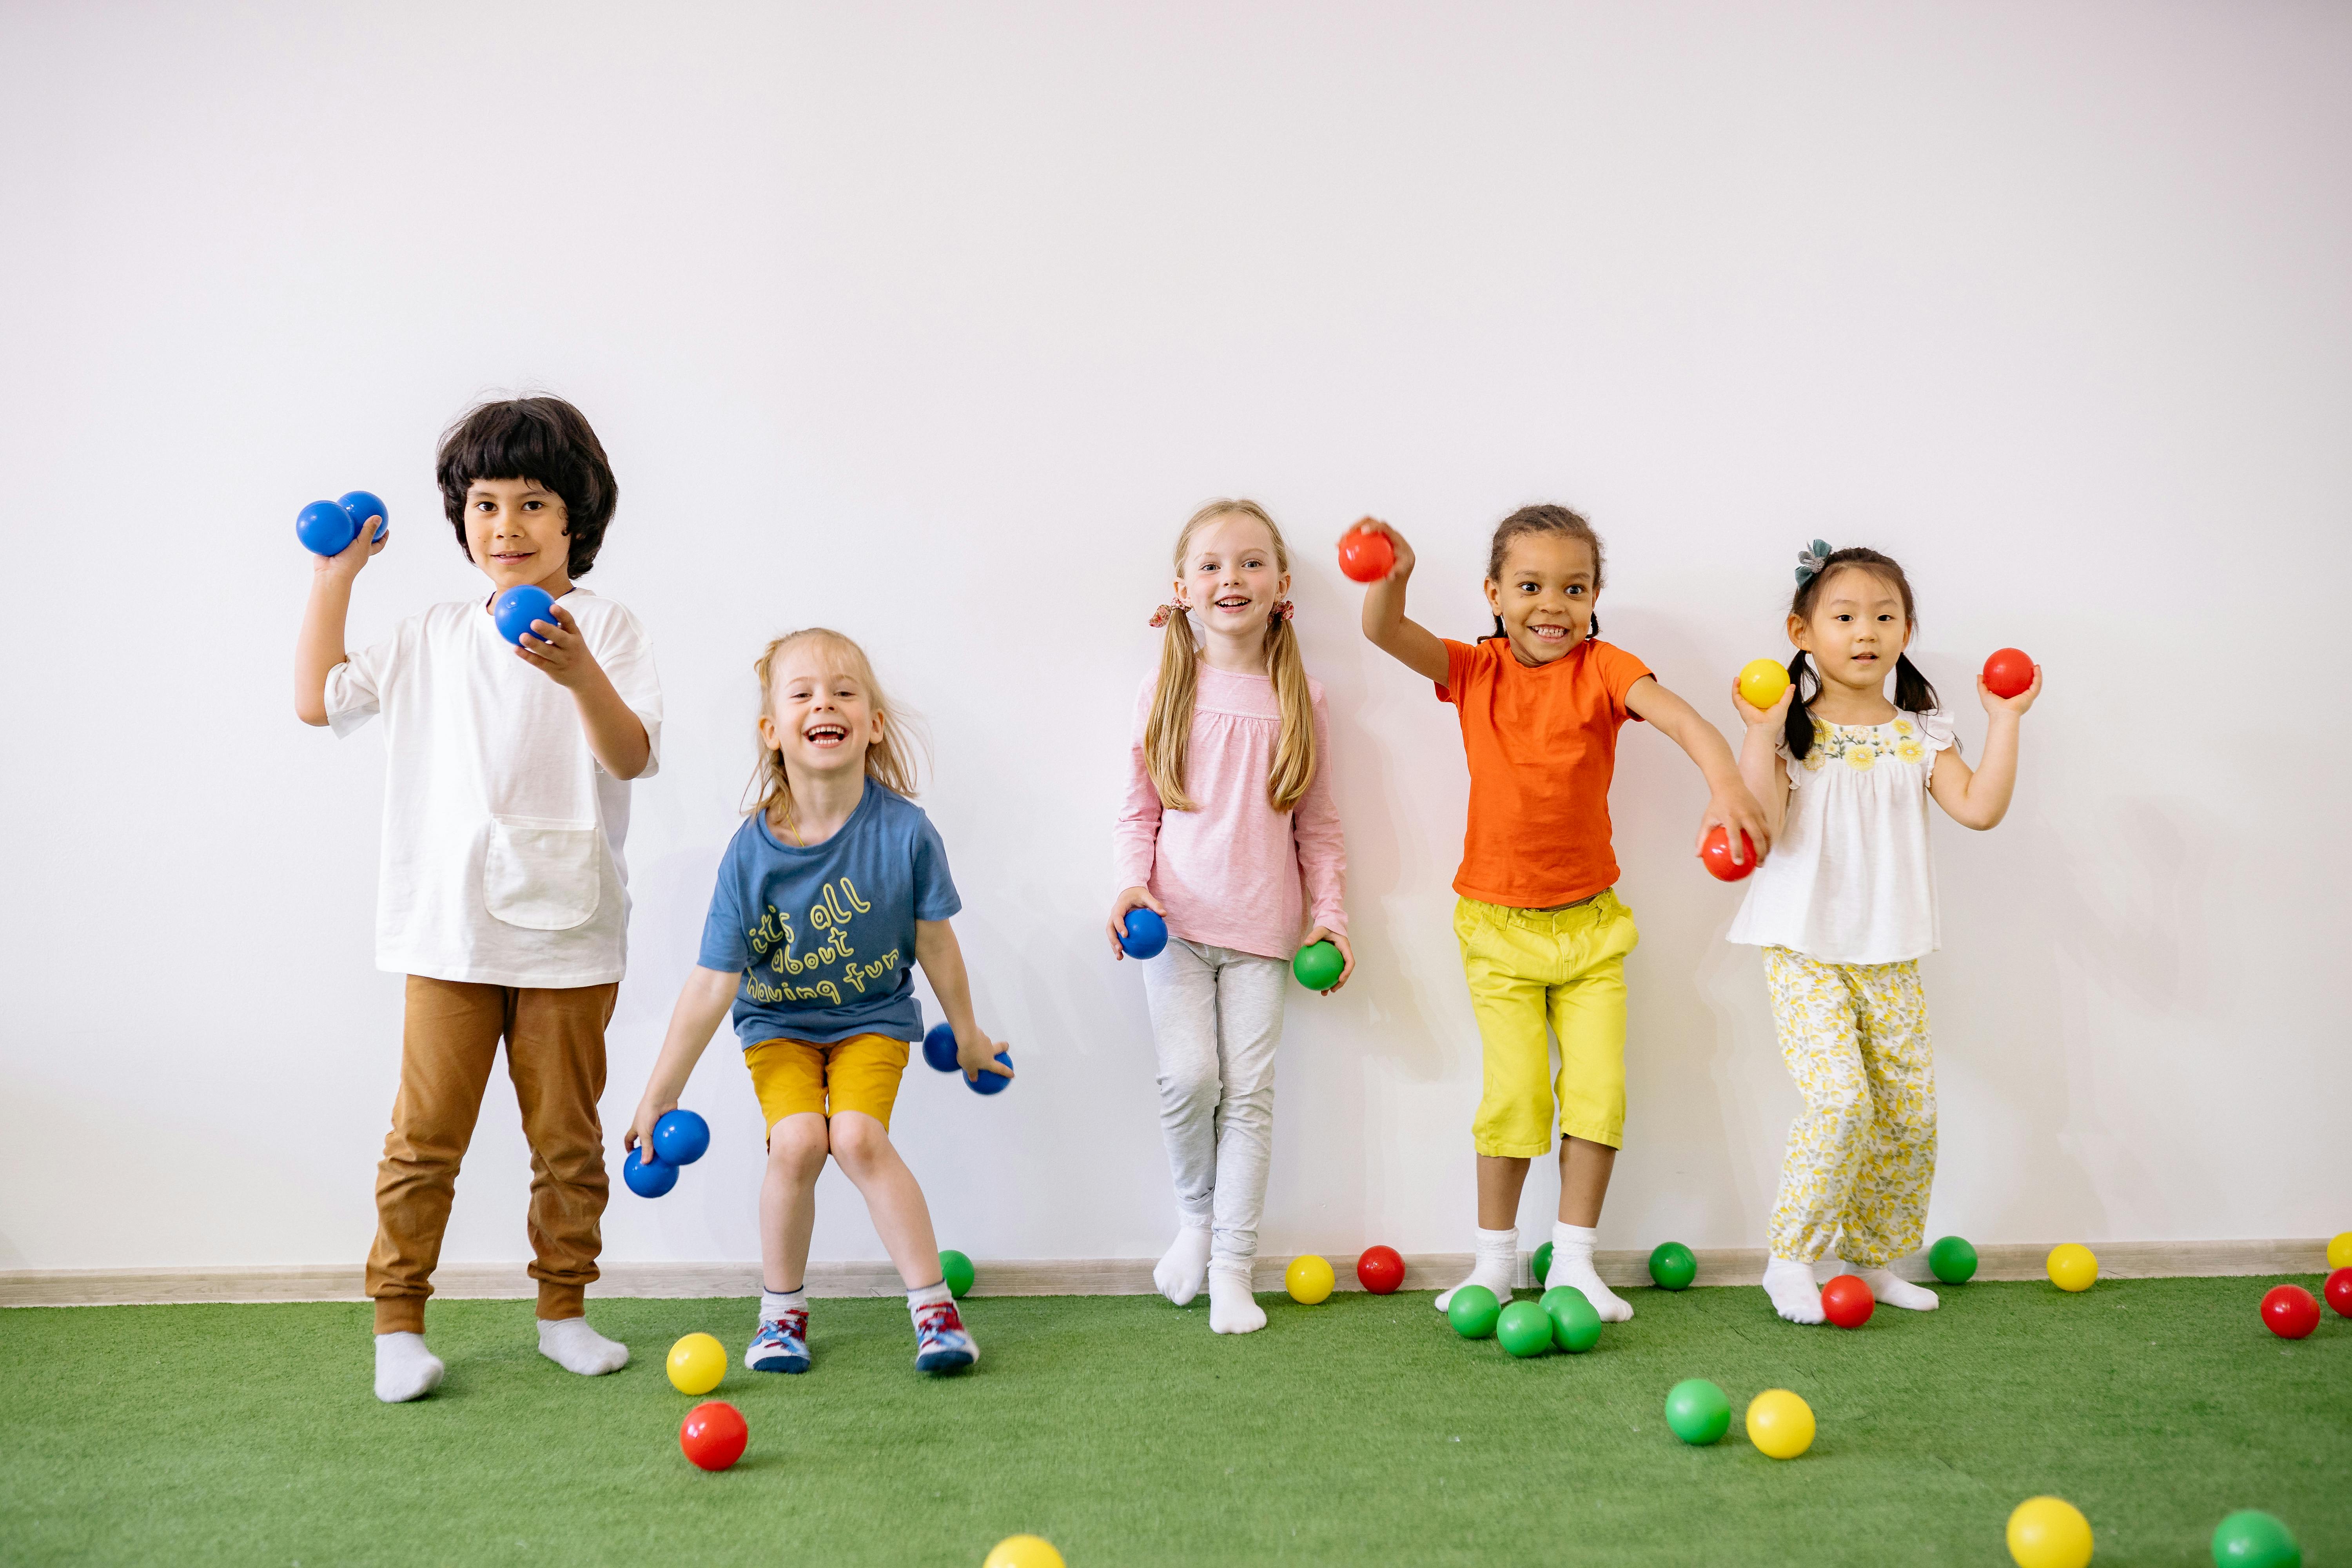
(1844, 907)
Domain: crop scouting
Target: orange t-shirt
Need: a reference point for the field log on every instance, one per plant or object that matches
(1542, 745)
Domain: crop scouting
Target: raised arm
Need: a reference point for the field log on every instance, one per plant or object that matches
(319, 647)
(1761, 767)
(1411, 645)
(942, 956)
(701, 1008)
(1979, 799)
(1729, 803)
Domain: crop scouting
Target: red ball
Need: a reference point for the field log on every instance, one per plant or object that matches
(1366, 555)
(2339, 1290)
(1381, 1270)
(2289, 1312)
(713, 1434)
(2008, 672)
(1847, 1301)
(1716, 855)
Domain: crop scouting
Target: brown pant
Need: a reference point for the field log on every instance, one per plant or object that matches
(555, 1054)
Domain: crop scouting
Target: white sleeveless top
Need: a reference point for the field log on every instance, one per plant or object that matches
(1850, 880)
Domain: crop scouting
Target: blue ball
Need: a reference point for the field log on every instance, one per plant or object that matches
(325, 528)
(939, 1049)
(363, 505)
(1147, 933)
(515, 609)
(648, 1178)
(680, 1137)
(989, 1082)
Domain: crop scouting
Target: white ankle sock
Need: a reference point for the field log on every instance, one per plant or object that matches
(1498, 1263)
(1232, 1309)
(1891, 1291)
(573, 1345)
(404, 1369)
(1794, 1295)
(1181, 1269)
(1572, 1264)
(924, 1296)
(774, 1304)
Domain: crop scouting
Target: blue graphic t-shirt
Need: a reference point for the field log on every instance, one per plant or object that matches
(825, 936)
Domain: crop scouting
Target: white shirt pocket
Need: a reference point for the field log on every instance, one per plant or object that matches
(542, 874)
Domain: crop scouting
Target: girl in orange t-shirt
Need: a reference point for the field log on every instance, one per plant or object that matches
(1544, 935)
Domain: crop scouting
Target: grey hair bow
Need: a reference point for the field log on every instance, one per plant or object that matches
(1810, 562)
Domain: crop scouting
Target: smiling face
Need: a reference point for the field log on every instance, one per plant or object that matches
(1855, 628)
(1232, 576)
(518, 532)
(1545, 595)
(821, 713)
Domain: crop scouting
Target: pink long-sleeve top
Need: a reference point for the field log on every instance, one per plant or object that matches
(1235, 873)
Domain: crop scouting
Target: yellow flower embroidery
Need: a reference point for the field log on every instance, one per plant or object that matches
(1813, 759)
(1903, 727)
(1909, 750)
(1860, 758)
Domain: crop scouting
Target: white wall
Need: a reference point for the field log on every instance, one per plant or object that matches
(933, 326)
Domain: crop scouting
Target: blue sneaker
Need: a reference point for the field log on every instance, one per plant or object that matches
(941, 1344)
(781, 1345)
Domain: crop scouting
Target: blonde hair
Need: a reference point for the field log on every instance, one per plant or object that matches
(1171, 724)
(890, 760)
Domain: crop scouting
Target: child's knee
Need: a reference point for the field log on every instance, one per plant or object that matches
(798, 1145)
(858, 1141)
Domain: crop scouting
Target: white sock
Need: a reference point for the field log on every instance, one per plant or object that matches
(1572, 1264)
(1794, 1295)
(1232, 1309)
(1497, 1263)
(774, 1304)
(924, 1296)
(404, 1369)
(1181, 1269)
(573, 1345)
(1891, 1291)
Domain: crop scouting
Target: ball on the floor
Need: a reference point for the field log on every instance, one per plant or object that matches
(1473, 1311)
(1696, 1410)
(1381, 1270)
(986, 1082)
(648, 1178)
(680, 1138)
(956, 1270)
(1671, 1266)
(1779, 1423)
(1761, 681)
(698, 1364)
(1575, 1325)
(1540, 1265)
(1524, 1329)
(1952, 1260)
(1144, 933)
(939, 1047)
(713, 1434)
(513, 611)
(1318, 965)
(2339, 1250)
(2289, 1312)
(1846, 1301)
(1308, 1279)
(2072, 1267)
(2252, 1539)
(2049, 1532)
(2338, 1291)
(1024, 1551)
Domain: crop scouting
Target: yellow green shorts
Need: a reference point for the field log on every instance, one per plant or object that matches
(1564, 968)
(860, 1073)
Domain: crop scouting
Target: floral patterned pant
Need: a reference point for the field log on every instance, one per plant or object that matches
(1863, 1156)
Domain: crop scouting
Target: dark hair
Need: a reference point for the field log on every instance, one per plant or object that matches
(544, 440)
(1552, 520)
(1912, 691)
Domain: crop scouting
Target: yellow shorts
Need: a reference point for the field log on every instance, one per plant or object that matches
(1527, 968)
(860, 1073)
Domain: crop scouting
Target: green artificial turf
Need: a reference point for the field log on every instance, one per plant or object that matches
(1358, 1431)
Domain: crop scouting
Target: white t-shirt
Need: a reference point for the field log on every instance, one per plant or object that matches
(1850, 880)
(501, 833)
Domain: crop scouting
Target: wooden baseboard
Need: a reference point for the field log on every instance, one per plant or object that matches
(1053, 1276)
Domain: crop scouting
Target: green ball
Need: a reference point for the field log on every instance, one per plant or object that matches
(956, 1269)
(1541, 1264)
(1472, 1311)
(1318, 965)
(1524, 1329)
(2250, 1539)
(1575, 1326)
(1698, 1411)
(1954, 1262)
(1671, 1266)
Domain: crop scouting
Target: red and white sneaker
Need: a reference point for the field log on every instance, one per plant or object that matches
(941, 1341)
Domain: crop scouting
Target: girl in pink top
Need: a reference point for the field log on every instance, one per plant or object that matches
(1228, 834)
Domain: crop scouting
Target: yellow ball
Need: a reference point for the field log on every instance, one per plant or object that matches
(1308, 1278)
(698, 1364)
(2049, 1532)
(2339, 1251)
(1779, 1423)
(1024, 1551)
(2073, 1267)
(1761, 681)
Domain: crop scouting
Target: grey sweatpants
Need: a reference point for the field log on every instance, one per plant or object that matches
(1216, 1018)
